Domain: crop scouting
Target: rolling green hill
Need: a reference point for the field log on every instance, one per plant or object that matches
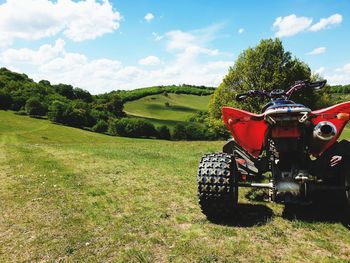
(180, 107)
(72, 195)
(75, 107)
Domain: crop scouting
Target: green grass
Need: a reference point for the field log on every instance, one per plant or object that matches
(72, 195)
(346, 133)
(182, 106)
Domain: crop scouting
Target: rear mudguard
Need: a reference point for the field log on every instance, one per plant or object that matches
(249, 129)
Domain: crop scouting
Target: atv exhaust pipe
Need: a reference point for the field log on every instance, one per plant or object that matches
(325, 131)
(322, 134)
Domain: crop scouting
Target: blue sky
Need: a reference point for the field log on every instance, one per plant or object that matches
(124, 44)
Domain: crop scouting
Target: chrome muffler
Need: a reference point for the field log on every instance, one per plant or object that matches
(322, 134)
(325, 131)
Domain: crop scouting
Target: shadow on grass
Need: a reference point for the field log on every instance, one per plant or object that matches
(158, 122)
(325, 208)
(247, 215)
(157, 107)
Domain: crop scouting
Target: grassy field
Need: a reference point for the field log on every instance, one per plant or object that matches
(340, 97)
(71, 195)
(181, 107)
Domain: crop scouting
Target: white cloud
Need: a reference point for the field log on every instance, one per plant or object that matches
(35, 19)
(320, 70)
(328, 22)
(317, 51)
(101, 75)
(241, 30)
(338, 79)
(344, 69)
(149, 61)
(179, 40)
(25, 55)
(157, 37)
(341, 76)
(184, 64)
(290, 25)
(149, 17)
(189, 45)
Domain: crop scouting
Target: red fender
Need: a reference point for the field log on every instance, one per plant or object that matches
(248, 129)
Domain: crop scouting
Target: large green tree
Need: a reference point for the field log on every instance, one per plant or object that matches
(267, 66)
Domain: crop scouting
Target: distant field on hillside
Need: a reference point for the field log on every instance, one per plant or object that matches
(338, 97)
(72, 195)
(181, 107)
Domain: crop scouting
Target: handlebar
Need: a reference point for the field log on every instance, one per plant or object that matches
(280, 93)
(262, 93)
(318, 84)
(305, 84)
(242, 96)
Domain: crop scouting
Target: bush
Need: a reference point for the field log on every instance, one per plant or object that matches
(95, 115)
(57, 111)
(18, 102)
(83, 95)
(163, 132)
(132, 127)
(101, 126)
(115, 106)
(216, 129)
(199, 117)
(5, 100)
(179, 132)
(35, 108)
(75, 117)
(212, 130)
(65, 113)
(194, 132)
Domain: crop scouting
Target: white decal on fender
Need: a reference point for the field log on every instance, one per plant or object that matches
(335, 160)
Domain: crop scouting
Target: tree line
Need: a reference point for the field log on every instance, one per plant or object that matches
(130, 95)
(342, 89)
(103, 113)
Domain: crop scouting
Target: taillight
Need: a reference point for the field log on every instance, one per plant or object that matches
(286, 132)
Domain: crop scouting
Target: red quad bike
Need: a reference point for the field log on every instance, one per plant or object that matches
(295, 147)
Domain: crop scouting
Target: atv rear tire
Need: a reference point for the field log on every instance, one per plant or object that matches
(217, 186)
